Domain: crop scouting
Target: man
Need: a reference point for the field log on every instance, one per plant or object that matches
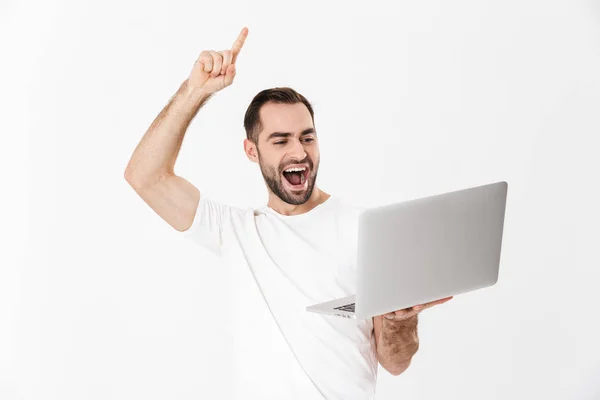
(297, 250)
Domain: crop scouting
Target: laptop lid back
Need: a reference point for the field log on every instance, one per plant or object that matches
(428, 249)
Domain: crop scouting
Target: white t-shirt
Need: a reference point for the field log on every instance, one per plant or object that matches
(278, 265)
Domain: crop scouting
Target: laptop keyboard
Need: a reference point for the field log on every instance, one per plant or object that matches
(347, 307)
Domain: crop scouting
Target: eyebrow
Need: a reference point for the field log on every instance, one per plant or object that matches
(288, 134)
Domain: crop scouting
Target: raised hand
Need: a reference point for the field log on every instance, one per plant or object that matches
(214, 71)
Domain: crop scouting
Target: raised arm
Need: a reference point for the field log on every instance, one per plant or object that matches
(150, 170)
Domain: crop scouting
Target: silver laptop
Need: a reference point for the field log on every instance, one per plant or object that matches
(424, 250)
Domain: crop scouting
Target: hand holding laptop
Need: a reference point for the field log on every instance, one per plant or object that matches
(409, 312)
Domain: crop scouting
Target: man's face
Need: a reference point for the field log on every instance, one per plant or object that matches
(288, 141)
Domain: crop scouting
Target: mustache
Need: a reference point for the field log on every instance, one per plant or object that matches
(306, 160)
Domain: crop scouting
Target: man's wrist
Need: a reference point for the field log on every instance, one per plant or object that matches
(398, 331)
(192, 94)
(409, 322)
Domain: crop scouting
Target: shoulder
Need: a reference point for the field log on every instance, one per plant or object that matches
(222, 211)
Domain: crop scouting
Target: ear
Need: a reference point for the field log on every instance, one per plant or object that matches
(250, 150)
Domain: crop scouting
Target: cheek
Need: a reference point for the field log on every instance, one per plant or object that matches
(315, 152)
(315, 157)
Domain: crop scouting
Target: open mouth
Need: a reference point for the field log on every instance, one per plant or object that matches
(296, 177)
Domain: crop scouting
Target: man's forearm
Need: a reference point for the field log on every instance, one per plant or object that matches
(398, 343)
(159, 147)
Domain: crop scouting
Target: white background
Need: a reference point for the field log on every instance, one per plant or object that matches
(100, 299)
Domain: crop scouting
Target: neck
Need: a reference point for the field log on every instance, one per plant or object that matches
(317, 197)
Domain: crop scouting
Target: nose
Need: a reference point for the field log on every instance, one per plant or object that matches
(297, 151)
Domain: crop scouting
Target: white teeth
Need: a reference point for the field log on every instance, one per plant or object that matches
(295, 170)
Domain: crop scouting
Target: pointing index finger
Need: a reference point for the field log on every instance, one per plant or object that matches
(237, 45)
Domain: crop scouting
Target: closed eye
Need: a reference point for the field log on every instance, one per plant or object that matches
(285, 141)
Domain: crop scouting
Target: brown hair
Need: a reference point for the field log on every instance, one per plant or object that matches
(281, 95)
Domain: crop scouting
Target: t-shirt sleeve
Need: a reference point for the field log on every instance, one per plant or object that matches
(210, 221)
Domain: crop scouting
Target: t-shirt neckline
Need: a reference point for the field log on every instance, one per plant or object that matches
(310, 212)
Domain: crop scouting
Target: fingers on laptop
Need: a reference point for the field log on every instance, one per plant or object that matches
(422, 307)
(411, 311)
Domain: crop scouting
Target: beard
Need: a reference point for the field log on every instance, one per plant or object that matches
(273, 178)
